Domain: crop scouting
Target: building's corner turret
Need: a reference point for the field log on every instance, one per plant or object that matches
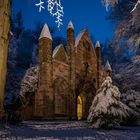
(45, 45)
(70, 38)
(98, 50)
(99, 62)
(108, 69)
(71, 49)
(45, 33)
(72, 72)
(44, 96)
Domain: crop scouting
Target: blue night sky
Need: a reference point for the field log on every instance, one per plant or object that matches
(90, 14)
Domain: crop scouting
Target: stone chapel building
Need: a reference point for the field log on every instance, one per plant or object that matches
(69, 76)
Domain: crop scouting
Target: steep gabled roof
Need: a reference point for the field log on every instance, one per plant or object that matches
(60, 54)
(56, 49)
(79, 37)
(45, 32)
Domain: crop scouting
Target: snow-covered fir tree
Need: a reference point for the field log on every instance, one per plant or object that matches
(107, 110)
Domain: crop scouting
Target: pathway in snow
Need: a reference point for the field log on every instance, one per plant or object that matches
(65, 130)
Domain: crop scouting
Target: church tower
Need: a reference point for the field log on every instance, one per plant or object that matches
(72, 74)
(71, 52)
(44, 96)
(99, 63)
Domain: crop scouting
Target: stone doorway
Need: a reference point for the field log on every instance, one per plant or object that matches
(79, 108)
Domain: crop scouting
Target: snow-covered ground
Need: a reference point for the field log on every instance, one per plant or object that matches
(65, 130)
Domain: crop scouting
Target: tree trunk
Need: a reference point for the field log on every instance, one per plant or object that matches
(5, 12)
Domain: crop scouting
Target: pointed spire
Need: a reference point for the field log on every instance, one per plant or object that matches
(45, 32)
(108, 66)
(70, 25)
(97, 44)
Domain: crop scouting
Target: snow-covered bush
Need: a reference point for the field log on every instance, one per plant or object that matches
(28, 88)
(29, 83)
(107, 110)
(132, 99)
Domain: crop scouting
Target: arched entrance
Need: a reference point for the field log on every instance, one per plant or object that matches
(79, 108)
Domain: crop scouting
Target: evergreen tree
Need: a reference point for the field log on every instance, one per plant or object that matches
(17, 24)
(107, 110)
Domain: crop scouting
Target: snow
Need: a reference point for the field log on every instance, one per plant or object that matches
(11, 34)
(29, 83)
(132, 99)
(136, 5)
(107, 66)
(71, 130)
(97, 44)
(126, 29)
(78, 38)
(58, 125)
(113, 2)
(107, 105)
(45, 32)
(56, 49)
(70, 25)
(128, 78)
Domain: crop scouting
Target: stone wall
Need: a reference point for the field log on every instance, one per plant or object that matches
(86, 72)
(86, 57)
(72, 71)
(66, 75)
(5, 12)
(44, 97)
(61, 89)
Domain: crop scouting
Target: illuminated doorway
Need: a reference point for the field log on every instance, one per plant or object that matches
(79, 108)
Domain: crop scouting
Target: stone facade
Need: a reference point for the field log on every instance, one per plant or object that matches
(68, 77)
(5, 12)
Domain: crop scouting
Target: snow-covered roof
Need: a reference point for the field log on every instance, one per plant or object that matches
(45, 32)
(56, 49)
(78, 38)
(70, 25)
(108, 66)
(97, 44)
